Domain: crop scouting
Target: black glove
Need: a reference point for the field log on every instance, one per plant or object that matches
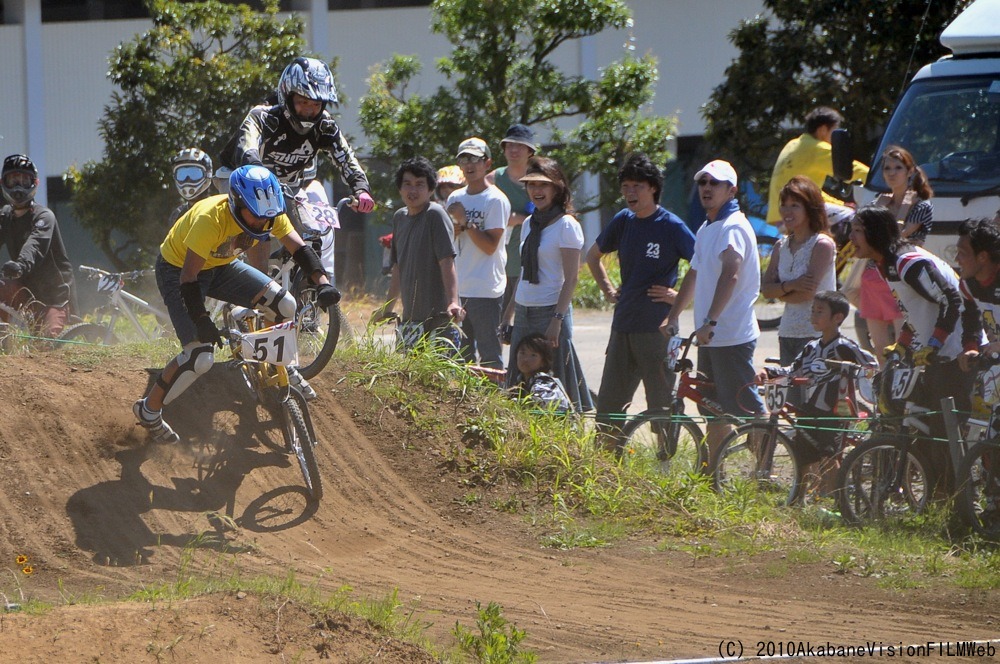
(208, 333)
(327, 295)
(11, 270)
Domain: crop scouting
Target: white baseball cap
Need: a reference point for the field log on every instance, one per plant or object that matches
(721, 170)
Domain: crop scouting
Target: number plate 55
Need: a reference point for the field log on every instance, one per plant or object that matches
(274, 345)
(775, 396)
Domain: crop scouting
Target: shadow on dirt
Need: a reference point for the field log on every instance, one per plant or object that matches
(224, 437)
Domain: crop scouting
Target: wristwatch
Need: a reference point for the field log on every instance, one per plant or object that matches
(708, 321)
(559, 316)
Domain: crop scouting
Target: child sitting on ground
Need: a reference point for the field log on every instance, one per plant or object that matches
(817, 437)
(534, 361)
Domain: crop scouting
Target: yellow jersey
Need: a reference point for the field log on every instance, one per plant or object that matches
(209, 230)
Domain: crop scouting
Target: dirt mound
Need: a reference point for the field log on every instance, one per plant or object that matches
(98, 511)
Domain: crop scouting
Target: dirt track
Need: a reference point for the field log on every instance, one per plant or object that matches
(99, 512)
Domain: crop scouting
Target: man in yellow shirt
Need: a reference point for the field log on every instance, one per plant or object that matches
(810, 155)
(198, 259)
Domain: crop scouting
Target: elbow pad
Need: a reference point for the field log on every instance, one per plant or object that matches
(307, 260)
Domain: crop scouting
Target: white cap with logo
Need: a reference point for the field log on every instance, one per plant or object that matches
(721, 170)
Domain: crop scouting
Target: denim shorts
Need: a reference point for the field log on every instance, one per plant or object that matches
(731, 369)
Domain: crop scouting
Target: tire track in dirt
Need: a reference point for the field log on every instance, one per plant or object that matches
(108, 511)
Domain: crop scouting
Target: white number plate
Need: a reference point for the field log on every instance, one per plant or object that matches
(274, 345)
(321, 214)
(775, 396)
(673, 351)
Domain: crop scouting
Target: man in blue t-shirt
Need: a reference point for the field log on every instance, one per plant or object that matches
(650, 241)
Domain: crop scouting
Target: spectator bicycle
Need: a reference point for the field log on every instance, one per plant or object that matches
(764, 453)
(672, 440)
(978, 475)
(261, 354)
(149, 322)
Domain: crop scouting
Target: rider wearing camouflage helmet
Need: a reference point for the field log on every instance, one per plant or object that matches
(38, 275)
(192, 170)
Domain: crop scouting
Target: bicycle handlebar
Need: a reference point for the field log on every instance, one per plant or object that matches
(96, 273)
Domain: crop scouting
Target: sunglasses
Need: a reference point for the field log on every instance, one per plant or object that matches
(469, 159)
(189, 174)
(704, 182)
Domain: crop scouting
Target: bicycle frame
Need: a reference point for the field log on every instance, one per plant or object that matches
(122, 302)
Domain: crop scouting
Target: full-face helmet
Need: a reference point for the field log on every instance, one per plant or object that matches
(19, 180)
(310, 78)
(192, 172)
(258, 190)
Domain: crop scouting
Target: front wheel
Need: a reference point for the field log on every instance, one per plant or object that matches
(301, 442)
(759, 456)
(674, 443)
(317, 332)
(89, 333)
(979, 493)
(878, 482)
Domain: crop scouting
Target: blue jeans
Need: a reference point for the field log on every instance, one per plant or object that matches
(482, 318)
(236, 282)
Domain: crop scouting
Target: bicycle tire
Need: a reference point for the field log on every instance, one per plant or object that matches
(89, 332)
(979, 494)
(674, 442)
(739, 462)
(767, 310)
(864, 492)
(317, 332)
(301, 443)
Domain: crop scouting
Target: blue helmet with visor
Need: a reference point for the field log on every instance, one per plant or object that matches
(258, 190)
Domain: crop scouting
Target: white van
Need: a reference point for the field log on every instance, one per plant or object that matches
(949, 119)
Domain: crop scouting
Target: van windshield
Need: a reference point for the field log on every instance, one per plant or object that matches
(952, 128)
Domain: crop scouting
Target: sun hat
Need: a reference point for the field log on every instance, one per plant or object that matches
(522, 134)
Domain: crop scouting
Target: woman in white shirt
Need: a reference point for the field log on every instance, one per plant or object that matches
(551, 244)
(801, 264)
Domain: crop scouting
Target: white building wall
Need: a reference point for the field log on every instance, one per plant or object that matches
(689, 38)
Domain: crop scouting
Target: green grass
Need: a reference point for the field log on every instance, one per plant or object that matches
(547, 469)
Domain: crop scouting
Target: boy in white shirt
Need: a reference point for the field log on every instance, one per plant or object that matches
(480, 212)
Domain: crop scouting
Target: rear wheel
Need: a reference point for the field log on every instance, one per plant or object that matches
(979, 494)
(301, 442)
(317, 332)
(673, 443)
(88, 332)
(767, 310)
(759, 456)
(877, 483)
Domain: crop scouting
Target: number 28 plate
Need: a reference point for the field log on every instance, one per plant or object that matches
(274, 345)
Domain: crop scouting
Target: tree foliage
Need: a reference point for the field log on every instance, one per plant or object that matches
(849, 55)
(501, 71)
(187, 82)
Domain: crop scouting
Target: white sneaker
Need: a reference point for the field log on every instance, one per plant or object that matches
(153, 422)
(296, 379)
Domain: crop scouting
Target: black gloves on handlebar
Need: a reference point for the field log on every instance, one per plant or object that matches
(11, 270)
(208, 333)
(327, 296)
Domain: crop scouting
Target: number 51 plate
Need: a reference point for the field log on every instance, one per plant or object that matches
(274, 345)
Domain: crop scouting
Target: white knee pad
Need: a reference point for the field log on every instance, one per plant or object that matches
(195, 360)
(278, 300)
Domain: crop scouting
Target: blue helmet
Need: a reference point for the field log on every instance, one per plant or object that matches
(258, 190)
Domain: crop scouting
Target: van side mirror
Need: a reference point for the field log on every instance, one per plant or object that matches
(843, 162)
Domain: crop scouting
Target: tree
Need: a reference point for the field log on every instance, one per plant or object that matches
(187, 82)
(852, 56)
(501, 71)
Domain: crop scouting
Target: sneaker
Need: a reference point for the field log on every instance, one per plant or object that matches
(296, 379)
(153, 422)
